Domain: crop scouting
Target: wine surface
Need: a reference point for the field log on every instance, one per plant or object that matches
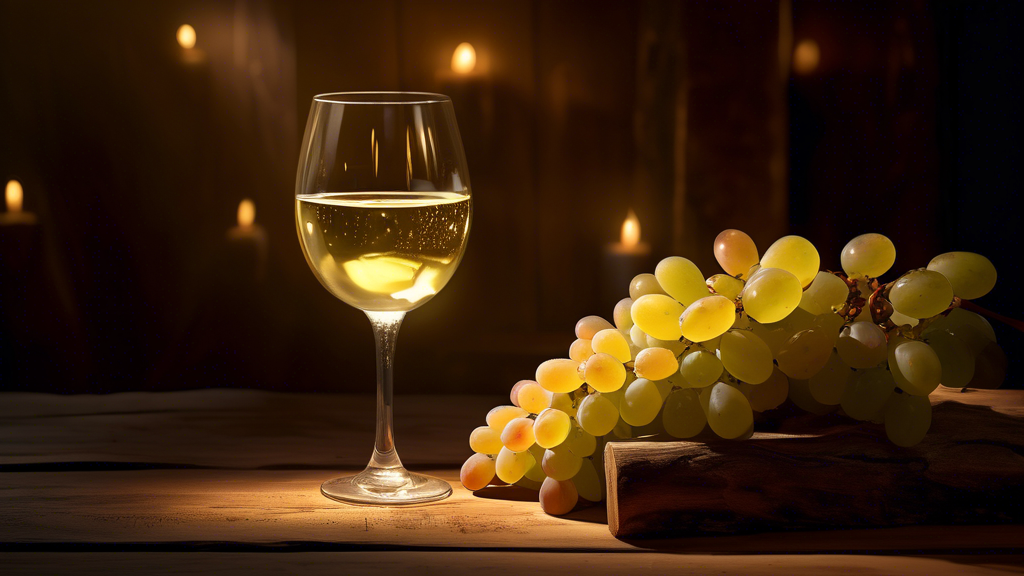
(383, 251)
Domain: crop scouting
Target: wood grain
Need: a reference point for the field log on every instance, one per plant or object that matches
(968, 470)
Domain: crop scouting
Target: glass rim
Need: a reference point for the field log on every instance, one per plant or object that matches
(381, 98)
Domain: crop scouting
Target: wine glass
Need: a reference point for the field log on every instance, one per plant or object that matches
(382, 209)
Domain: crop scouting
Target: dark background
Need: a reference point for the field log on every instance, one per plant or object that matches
(134, 156)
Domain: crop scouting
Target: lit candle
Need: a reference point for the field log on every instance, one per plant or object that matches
(14, 197)
(623, 260)
(464, 59)
(248, 242)
(19, 233)
(187, 38)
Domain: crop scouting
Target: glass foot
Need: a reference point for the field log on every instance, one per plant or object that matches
(386, 487)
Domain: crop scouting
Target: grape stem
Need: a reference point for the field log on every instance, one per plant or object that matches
(968, 305)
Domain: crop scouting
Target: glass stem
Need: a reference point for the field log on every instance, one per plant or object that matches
(385, 330)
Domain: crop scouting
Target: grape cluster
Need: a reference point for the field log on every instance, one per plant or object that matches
(685, 352)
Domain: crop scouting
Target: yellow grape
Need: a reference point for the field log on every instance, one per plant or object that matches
(700, 369)
(907, 419)
(580, 350)
(746, 356)
(771, 393)
(830, 324)
(921, 294)
(866, 394)
(580, 442)
(533, 397)
(559, 375)
(771, 295)
(637, 337)
(558, 497)
(725, 285)
(956, 359)
(707, 318)
(868, 256)
(735, 252)
(611, 341)
(590, 325)
(597, 415)
(551, 428)
(643, 284)
(675, 346)
(535, 474)
(655, 364)
(477, 472)
(826, 292)
(563, 402)
(484, 440)
(918, 369)
(971, 275)
(683, 416)
(729, 413)
(518, 434)
(657, 315)
(561, 464)
(511, 466)
(903, 320)
(499, 416)
(681, 279)
(704, 395)
(604, 373)
(804, 354)
(829, 384)
(622, 430)
(641, 403)
(616, 396)
(513, 395)
(800, 394)
(793, 254)
(623, 321)
(667, 385)
(862, 345)
(587, 482)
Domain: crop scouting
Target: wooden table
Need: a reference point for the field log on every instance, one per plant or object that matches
(221, 479)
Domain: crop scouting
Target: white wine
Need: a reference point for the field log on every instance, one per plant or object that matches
(383, 251)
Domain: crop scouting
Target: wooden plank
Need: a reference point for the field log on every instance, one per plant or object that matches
(497, 563)
(969, 469)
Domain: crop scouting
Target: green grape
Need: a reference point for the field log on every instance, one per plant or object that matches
(643, 284)
(704, 395)
(907, 419)
(804, 354)
(868, 256)
(588, 326)
(597, 414)
(641, 403)
(778, 333)
(795, 255)
(902, 319)
(558, 498)
(533, 397)
(477, 472)
(829, 384)
(712, 344)
(677, 347)
(729, 413)
(616, 396)
(683, 416)
(971, 275)
(735, 252)
(611, 341)
(707, 318)
(657, 315)
(972, 329)
(604, 373)
(484, 440)
(564, 403)
(917, 368)
(862, 345)
(518, 434)
(830, 324)
(956, 359)
(667, 385)
(637, 337)
(525, 482)
(742, 322)
(623, 321)
(587, 483)
(499, 416)
(511, 466)
(771, 393)
(989, 368)
(580, 350)
(535, 474)
(866, 394)
(746, 356)
(725, 285)
(921, 294)
(560, 463)
(681, 279)
(559, 375)
(826, 292)
(800, 394)
(771, 295)
(580, 442)
(551, 428)
(700, 369)
(654, 364)
(622, 430)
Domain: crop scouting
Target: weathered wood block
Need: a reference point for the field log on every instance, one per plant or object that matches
(968, 470)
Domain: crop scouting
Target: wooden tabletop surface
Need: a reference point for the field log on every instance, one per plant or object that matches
(220, 479)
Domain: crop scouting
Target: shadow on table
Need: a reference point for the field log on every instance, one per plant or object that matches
(583, 512)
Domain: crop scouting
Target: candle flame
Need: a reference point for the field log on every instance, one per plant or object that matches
(14, 195)
(806, 56)
(630, 230)
(464, 58)
(246, 212)
(186, 36)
